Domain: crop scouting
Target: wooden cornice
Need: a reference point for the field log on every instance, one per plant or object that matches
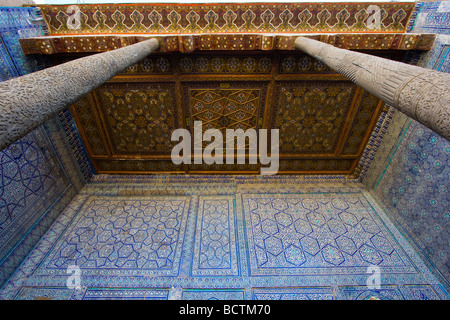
(225, 42)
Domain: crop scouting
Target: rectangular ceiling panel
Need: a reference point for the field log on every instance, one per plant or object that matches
(324, 120)
(139, 118)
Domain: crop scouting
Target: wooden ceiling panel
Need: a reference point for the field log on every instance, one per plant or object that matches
(230, 66)
(139, 117)
(324, 120)
(311, 115)
(225, 105)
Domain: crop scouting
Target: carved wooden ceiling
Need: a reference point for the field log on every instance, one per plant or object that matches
(230, 66)
(324, 120)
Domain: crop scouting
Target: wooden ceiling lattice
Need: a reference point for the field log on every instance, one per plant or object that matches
(230, 66)
(324, 120)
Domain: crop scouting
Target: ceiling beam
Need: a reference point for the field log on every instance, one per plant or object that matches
(225, 42)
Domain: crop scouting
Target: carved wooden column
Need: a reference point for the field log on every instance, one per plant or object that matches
(422, 94)
(28, 101)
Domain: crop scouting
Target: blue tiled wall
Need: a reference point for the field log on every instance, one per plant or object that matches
(431, 17)
(39, 174)
(16, 23)
(411, 169)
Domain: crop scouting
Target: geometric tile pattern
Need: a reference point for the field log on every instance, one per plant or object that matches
(420, 292)
(413, 180)
(408, 292)
(212, 295)
(192, 238)
(317, 235)
(363, 293)
(313, 293)
(32, 185)
(15, 24)
(40, 176)
(215, 242)
(431, 17)
(124, 233)
(7, 69)
(415, 188)
(444, 60)
(126, 294)
(25, 176)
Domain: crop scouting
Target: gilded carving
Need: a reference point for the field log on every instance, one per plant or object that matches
(140, 119)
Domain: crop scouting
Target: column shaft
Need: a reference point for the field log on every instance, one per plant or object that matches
(28, 101)
(422, 94)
